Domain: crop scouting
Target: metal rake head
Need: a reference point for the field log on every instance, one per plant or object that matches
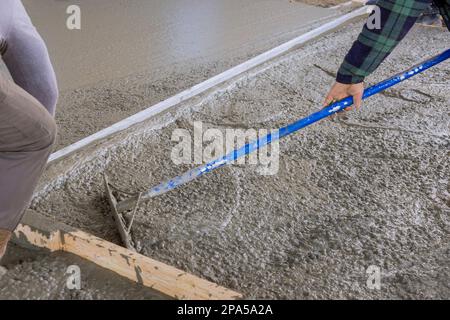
(117, 209)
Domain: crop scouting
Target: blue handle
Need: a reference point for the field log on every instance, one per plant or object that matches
(294, 127)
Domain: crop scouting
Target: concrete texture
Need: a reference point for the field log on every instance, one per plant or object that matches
(107, 73)
(370, 188)
(36, 275)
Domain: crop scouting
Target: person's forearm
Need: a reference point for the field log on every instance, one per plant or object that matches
(374, 45)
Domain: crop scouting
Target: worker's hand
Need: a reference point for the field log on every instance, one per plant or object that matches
(340, 91)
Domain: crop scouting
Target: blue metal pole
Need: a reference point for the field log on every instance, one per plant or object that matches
(285, 131)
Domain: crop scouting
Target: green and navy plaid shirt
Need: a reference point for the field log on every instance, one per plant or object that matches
(373, 46)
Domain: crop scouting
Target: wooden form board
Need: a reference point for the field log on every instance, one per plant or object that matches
(38, 231)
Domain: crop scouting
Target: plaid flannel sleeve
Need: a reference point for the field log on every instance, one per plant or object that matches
(374, 45)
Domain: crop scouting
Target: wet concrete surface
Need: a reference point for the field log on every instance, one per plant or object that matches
(368, 189)
(37, 275)
(130, 55)
(123, 37)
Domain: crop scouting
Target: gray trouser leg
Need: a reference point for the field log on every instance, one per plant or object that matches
(27, 133)
(27, 59)
(27, 128)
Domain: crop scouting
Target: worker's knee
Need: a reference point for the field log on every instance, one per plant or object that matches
(48, 134)
(25, 125)
(44, 135)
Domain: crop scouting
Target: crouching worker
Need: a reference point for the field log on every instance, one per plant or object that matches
(27, 105)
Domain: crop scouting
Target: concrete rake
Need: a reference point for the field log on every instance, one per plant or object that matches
(133, 200)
